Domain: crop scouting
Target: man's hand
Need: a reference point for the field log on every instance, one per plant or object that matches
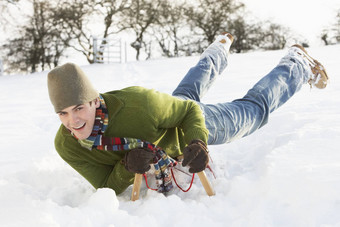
(196, 156)
(138, 160)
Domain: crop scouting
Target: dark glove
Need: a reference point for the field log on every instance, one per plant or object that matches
(196, 156)
(138, 160)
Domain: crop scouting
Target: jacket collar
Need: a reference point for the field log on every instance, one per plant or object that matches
(113, 104)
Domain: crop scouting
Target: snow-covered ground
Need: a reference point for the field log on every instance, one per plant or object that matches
(285, 174)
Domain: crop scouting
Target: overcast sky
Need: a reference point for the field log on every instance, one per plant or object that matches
(307, 17)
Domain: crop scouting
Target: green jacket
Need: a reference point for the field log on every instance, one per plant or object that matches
(134, 112)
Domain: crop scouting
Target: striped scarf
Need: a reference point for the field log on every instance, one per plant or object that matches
(97, 140)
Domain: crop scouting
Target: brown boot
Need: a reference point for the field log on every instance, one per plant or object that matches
(221, 43)
(228, 35)
(319, 78)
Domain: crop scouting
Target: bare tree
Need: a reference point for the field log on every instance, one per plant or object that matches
(274, 36)
(38, 45)
(246, 34)
(74, 16)
(324, 37)
(257, 34)
(111, 11)
(337, 27)
(211, 17)
(331, 35)
(139, 18)
(169, 30)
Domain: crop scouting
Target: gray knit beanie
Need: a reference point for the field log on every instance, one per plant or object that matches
(68, 86)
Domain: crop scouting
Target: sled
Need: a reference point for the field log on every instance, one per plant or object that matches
(138, 181)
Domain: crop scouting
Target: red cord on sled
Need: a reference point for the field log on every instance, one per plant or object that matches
(146, 182)
(192, 180)
(173, 176)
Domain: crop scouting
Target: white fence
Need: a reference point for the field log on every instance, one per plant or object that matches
(107, 50)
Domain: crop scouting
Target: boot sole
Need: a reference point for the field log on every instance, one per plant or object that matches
(319, 68)
(230, 37)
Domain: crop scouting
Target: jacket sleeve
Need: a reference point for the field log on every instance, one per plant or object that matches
(171, 112)
(99, 175)
(104, 176)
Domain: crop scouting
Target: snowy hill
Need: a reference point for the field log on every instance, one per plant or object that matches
(285, 174)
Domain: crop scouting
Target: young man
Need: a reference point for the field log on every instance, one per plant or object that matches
(109, 137)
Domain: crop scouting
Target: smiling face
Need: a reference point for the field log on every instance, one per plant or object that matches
(79, 119)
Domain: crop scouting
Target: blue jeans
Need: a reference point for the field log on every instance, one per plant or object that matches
(241, 117)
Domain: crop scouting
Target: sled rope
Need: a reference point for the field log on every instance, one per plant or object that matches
(173, 176)
(202, 176)
(192, 180)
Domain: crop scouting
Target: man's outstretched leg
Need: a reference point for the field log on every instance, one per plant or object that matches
(200, 77)
(232, 120)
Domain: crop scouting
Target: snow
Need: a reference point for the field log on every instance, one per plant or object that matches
(285, 174)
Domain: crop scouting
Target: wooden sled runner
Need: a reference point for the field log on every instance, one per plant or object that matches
(138, 181)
